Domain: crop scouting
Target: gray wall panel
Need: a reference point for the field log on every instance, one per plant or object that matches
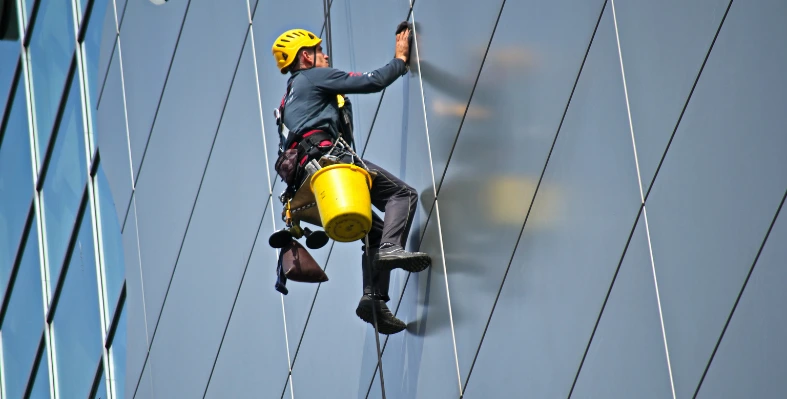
(148, 40)
(137, 342)
(184, 132)
(752, 357)
(627, 358)
(501, 151)
(363, 44)
(113, 139)
(338, 351)
(720, 184)
(271, 19)
(420, 362)
(253, 358)
(663, 45)
(217, 247)
(563, 266)
(450, 60)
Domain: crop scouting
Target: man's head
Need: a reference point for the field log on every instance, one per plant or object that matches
(298, 49)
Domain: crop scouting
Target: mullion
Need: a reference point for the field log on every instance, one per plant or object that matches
(83, 24)
(112, 329)
(97, 377)
(31, 23)
(50, 148)
(36, 364)
(69, 252)
(11, 93)
(17, 262)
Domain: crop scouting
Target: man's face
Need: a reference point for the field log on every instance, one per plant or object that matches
(321, 59)
(314, 57)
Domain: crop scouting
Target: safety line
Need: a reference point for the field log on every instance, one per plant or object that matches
(191, 213)
(235, 301)
(125, 112)
(535, 193)
(437, 209)
(642, 198)
(740, 294)
(259, 103)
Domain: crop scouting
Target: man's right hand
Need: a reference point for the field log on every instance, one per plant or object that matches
(403, 45)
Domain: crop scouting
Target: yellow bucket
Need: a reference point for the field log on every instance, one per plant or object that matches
(344, 202)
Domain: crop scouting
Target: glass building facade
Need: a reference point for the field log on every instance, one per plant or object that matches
(601, 189)
(61, 255)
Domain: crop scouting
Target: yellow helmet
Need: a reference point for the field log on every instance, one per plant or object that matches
(286, 46)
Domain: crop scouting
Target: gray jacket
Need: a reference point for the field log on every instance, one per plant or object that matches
(310, 103)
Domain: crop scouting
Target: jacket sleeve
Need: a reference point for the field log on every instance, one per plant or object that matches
(334, 81)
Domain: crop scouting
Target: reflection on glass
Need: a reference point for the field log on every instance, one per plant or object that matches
(76, 324)
(118, 352)
(24, 321)
(101, 391)
(64, 183)
(41, 384)
(16, 183)
(9, 54)
(112, 242)
(91, 49)
(51, 49)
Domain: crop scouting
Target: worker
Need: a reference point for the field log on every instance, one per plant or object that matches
(309, 110)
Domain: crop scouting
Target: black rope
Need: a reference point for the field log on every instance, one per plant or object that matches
(374, 316)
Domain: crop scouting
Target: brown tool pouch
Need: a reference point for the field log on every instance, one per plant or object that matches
(287, 166)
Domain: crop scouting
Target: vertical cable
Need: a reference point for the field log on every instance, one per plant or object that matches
(642, 199)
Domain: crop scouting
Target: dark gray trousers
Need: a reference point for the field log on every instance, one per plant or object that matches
(399, 202)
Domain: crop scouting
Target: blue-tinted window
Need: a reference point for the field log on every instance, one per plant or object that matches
(92, 46)
(112, 242)
(24, 321)
(76, 324)
(51, 50)
(9, 56)
(118, 351)
(64, 183)
(101, 391)
(16, 183)
(41, 383)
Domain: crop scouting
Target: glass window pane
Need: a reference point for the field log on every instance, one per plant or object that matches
(101, 391)
(9, 55)
(76, 324)
(64, 183)
(51, 49)
(118, 353)
(16, 183)
(92, 46)
(41, 384)
(24, 321)
(112, 242)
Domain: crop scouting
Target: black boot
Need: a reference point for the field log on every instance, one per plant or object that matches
(392, 256)
(387, 323)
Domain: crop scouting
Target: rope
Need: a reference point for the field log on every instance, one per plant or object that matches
(374, 314)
